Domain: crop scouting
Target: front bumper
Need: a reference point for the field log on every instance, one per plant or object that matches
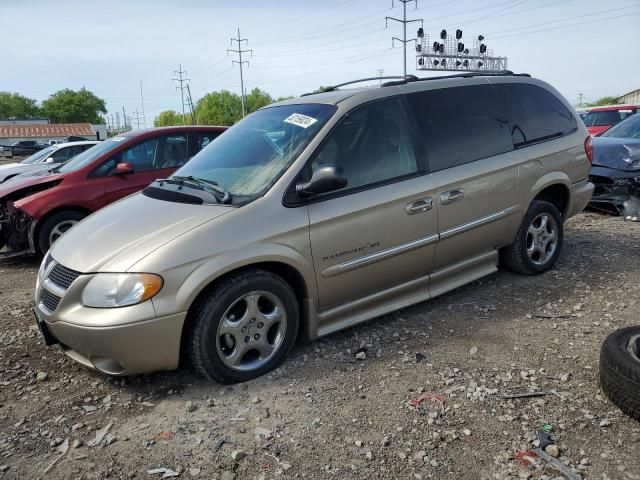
(127, 349)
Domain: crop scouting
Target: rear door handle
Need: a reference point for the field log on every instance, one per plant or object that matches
(451, 196)
(419, 206)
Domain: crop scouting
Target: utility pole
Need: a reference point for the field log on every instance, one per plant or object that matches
(137, 117)
(580, 95)
(239, 51)
(193, 114)
(124, 119)
(404, 22)
(144, 120)
(380, 74)
(118, 120)
(181, 80)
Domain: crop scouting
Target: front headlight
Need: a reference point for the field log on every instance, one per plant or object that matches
(44, 265)
(110, 290)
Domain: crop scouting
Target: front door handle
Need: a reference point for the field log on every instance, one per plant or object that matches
(451, 196)
(419, 206)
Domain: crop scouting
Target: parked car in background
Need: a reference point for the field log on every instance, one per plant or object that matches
(45, 159)
(616, 169)
(599, 119)
(35, 211)
(26, 147)
(314, 214)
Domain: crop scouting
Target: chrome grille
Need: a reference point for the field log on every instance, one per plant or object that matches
(62, 276)
(49, 300)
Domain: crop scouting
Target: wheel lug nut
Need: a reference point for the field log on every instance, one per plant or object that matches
(253, 320)
(247, 339)
(260, 324)
(244, 329)
(257, 336)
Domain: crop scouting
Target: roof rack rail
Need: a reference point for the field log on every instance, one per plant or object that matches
(401, 78)
(404, 79)
(503, 73)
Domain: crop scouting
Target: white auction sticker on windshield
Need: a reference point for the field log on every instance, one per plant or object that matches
(300, 120)
(117, 139)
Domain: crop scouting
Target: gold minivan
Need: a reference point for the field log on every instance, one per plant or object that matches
(314, 214)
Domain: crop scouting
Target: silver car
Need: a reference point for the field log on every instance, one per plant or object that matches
(45, 159)
(315, 214)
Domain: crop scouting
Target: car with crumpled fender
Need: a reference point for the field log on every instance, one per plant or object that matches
(616, 169)
(37, 210)
(315, 214)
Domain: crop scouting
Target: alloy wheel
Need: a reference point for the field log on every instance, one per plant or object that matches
(60, 229)
(251, 331)
(542, 238)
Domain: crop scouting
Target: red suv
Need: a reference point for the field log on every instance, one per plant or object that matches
(599, 119)
(35, 211)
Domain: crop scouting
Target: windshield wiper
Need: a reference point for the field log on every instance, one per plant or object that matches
(222, 194)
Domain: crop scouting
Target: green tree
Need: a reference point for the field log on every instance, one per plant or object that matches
(605, 101)
(257, 99)
(69, 106)
(219, 108)
(171, 117)
(14, 105)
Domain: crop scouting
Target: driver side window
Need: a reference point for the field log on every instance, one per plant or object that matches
(140, 155)
(371, 145)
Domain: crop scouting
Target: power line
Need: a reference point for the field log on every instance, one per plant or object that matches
(565, 26)
(573, 17)
(240, 62)
(404, 22)
(181, 80)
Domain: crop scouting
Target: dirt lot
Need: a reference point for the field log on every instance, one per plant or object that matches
(325, 414)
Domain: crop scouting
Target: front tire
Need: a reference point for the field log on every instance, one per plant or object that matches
(538, 242)
(244, 328)
(55, 226)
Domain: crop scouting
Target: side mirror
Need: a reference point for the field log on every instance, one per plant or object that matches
(325, 179)
(123, 169)
(49, 160)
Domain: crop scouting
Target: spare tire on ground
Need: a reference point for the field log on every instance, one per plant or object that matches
(620, 369)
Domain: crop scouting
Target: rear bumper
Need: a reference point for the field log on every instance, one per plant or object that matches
(579, 197)
(127, 349)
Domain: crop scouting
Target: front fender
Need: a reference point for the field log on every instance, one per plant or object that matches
(231, 260)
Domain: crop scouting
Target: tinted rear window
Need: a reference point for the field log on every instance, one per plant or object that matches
(534, 113)
(605, 117)
(460, 125)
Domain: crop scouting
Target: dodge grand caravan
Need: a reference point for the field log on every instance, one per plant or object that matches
(315, 214)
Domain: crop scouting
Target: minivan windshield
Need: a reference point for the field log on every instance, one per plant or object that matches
(247, 159)
(628, 128)
(89, 156)
(39, 156)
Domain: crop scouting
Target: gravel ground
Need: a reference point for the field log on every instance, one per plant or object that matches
(326, 414)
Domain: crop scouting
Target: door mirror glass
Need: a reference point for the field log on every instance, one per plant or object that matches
(324, 179)
(123, 168)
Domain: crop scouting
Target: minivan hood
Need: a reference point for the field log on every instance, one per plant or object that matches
(121, 234)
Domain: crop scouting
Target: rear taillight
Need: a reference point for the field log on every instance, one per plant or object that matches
(588, 148)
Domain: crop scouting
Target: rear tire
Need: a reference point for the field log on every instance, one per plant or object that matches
(54, 226)
(244, 328)
(538, 241)
(620, 369)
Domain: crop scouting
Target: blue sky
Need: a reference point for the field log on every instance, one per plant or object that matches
(579, 46)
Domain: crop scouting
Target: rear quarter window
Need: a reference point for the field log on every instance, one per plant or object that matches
(534, 113)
